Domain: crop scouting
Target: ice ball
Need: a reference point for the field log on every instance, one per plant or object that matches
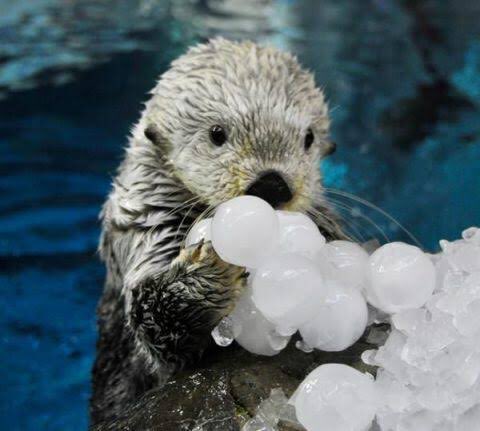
(298, 234)
(470, 419)
(256, 334)
(199, 231)
(400, 277)
(288, 289)
(344, 261)
(336, 397)
(244, 231)
(339, 322)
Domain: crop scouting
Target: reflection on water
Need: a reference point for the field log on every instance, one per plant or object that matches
(50, 40)
(402, 78)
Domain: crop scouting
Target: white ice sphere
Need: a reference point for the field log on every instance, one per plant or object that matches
(400, 277)
(470, 420)
(298, 234)
(256, 334)
(339, 322)
(344, 261)
(244, 230)
(288, 289)
(336, 397)
(199, 231)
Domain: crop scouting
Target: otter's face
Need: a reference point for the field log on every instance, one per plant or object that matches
(239, 119)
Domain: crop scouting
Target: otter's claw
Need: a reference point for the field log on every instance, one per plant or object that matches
(220, 279)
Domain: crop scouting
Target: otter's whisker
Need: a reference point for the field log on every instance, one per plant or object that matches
(348, 208)
(185, 217)
(375, 208)
(199, 218)
(354, 233)
(352, 222)
(184, 205)
(175, 211)
(313, 212)
(330, 223)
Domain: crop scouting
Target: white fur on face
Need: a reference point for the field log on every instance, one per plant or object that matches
(262, 98)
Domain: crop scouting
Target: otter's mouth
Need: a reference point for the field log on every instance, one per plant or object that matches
(272, 188)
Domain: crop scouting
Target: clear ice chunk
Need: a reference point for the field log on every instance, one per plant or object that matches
(472, 234)
(224, 333)
(270, 412)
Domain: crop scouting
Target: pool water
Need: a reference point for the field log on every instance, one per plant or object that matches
(403, 82)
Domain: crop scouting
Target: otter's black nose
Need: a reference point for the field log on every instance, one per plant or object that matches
(271, 187)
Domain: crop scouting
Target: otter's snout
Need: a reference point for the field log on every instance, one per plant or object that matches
(271, 187)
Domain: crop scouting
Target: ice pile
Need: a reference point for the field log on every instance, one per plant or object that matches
(301, 283)
(429, 367)
(297, 282)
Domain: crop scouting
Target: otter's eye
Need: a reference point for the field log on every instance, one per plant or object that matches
(309, 138)
(218, 135)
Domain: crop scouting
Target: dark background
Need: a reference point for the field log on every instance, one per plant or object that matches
(403, 81)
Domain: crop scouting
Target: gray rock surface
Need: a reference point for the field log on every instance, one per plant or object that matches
(224, 391)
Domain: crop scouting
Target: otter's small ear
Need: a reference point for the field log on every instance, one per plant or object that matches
(153, 134)
(330, 148)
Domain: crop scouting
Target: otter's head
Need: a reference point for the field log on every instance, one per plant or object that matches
(235, 118)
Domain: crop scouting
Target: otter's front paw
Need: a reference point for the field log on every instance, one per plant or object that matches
(221, 282)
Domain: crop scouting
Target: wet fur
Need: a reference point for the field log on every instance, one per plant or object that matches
(161, 301)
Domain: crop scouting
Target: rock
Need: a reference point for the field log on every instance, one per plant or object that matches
(223, 391)
(197, 401)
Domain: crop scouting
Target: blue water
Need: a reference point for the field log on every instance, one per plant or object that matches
(402, 78)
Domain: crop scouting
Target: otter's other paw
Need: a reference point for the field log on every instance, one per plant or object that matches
(221, 282)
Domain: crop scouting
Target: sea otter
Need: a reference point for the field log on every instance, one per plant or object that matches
(228, 118)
